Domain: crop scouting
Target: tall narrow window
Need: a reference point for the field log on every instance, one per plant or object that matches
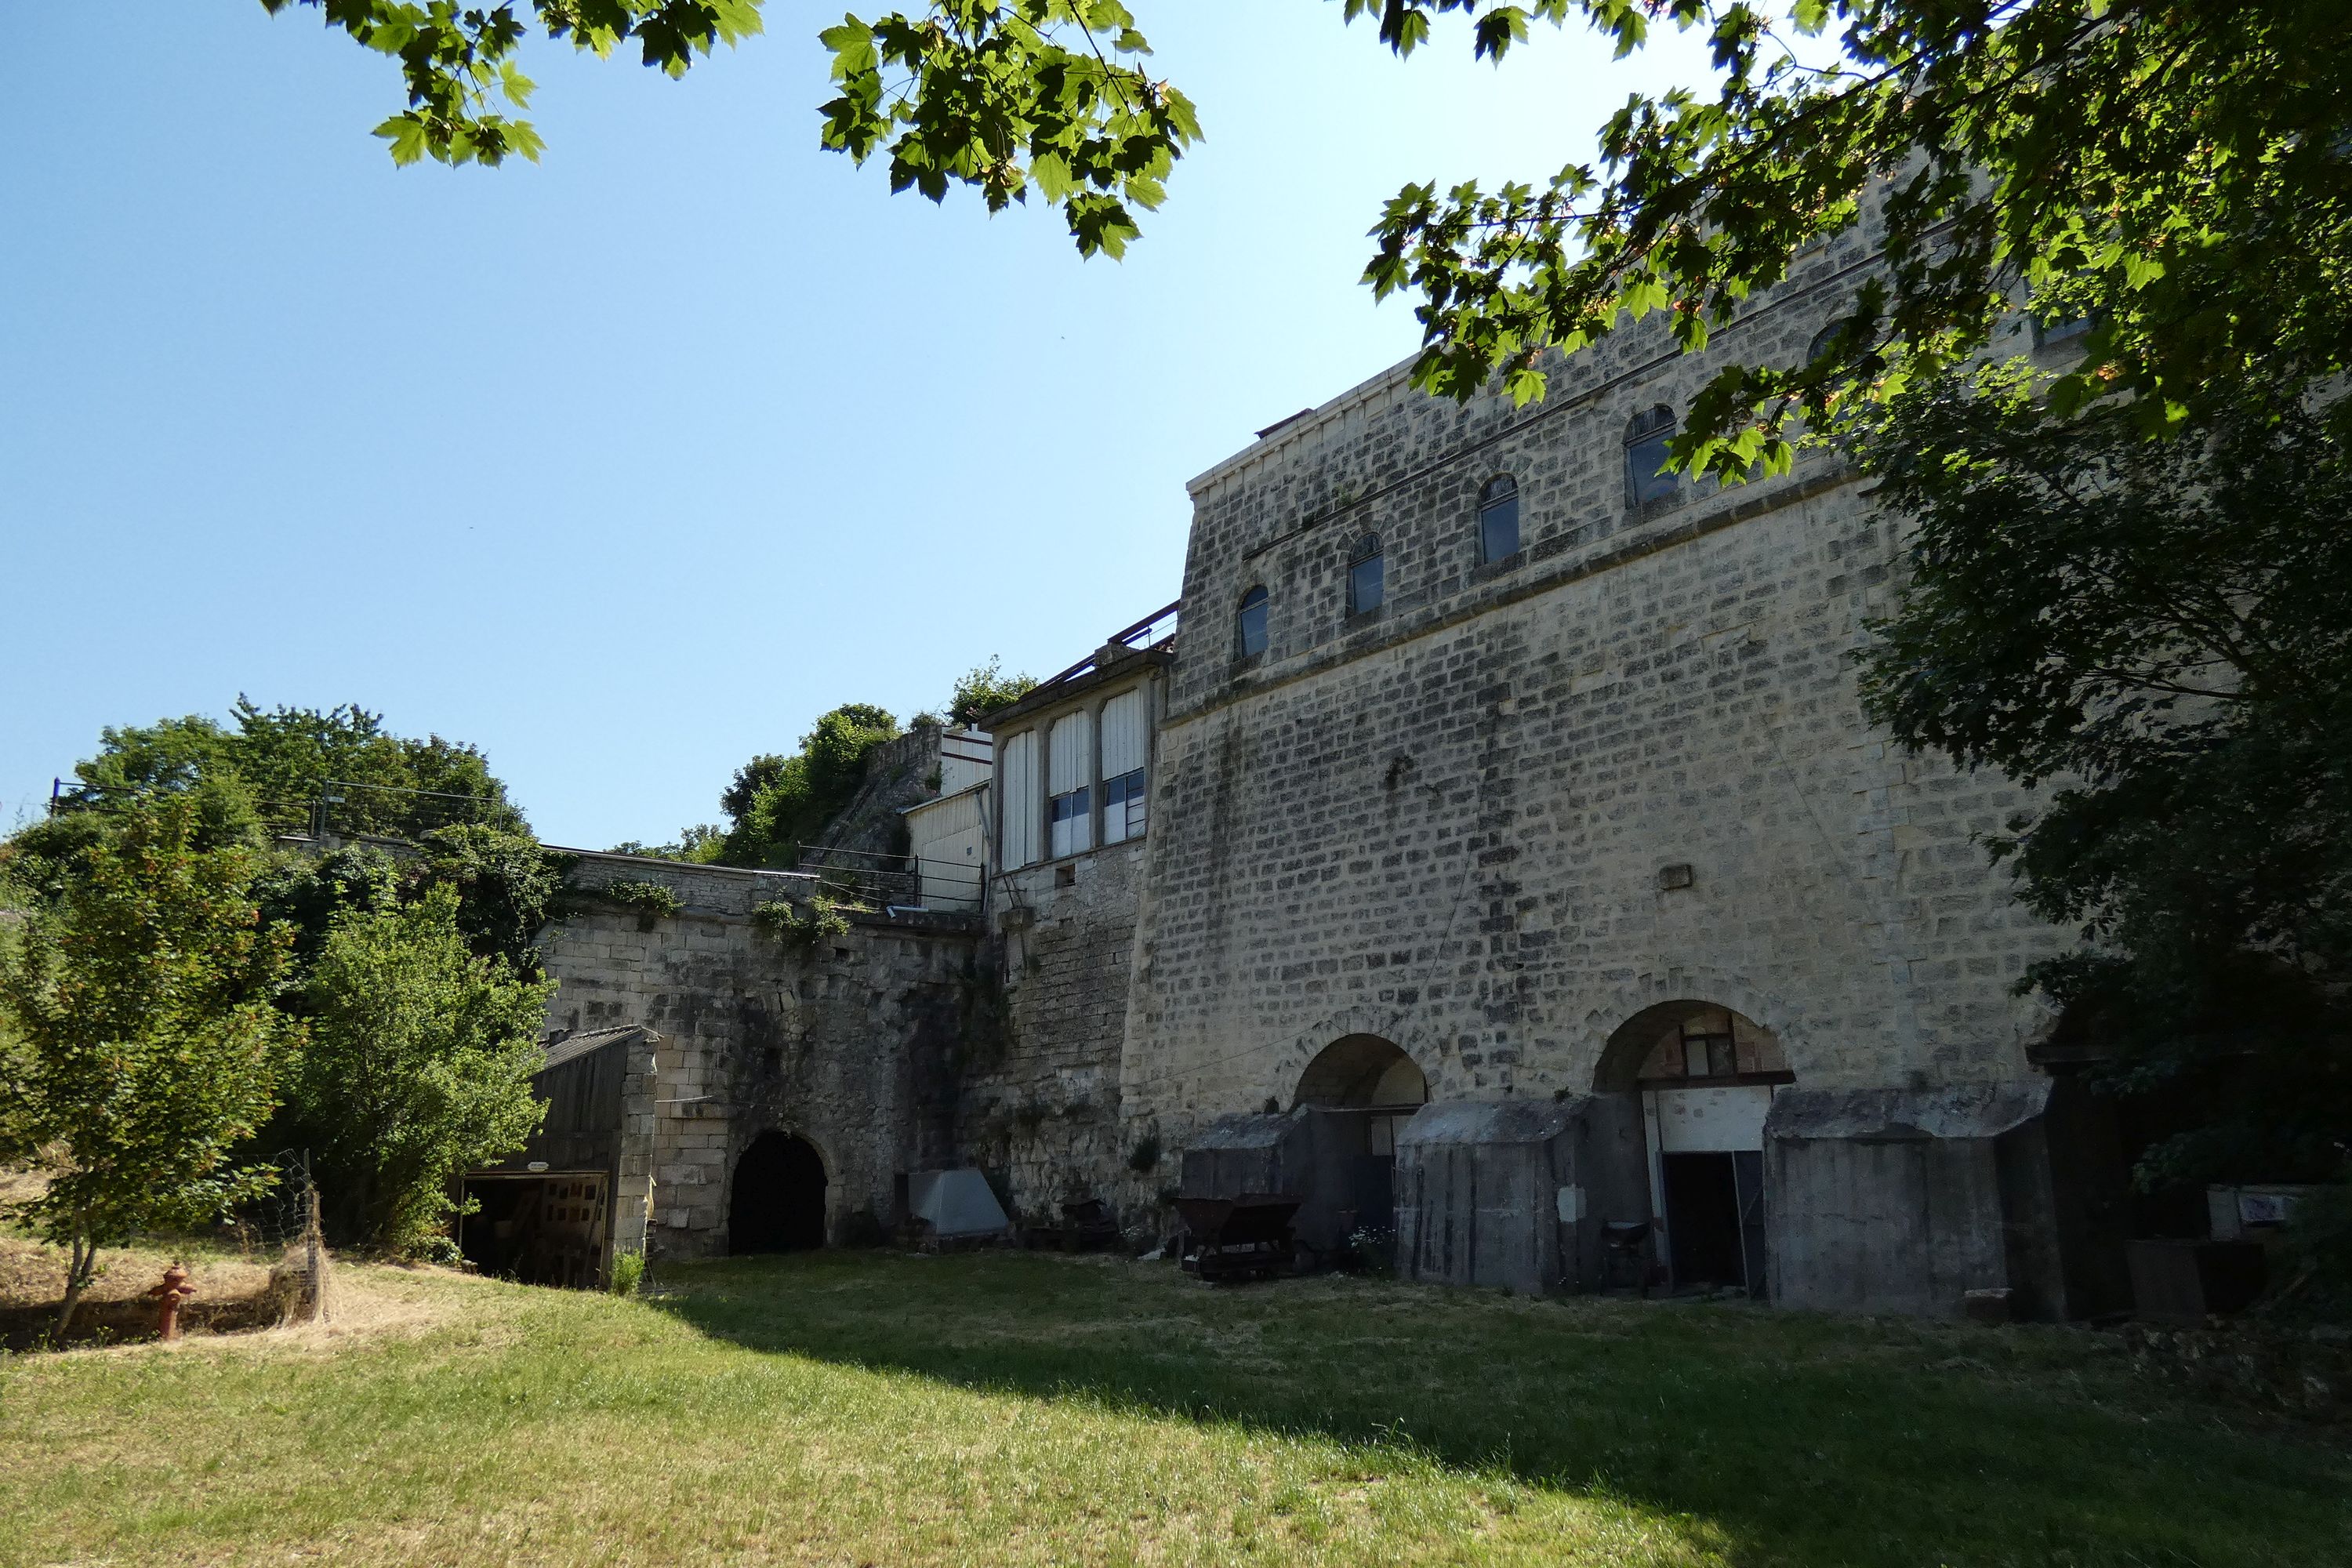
(1251, 623)
(1646, 457)
(1366, 585)
(1126, 750)
(1070, 770)
(1498, 518)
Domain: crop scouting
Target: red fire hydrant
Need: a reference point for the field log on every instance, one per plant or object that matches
(174, 1290)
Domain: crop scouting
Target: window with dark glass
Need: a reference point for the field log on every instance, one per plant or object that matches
(1498, 518)
(2048, 333)
(1820, 347)
(1366, 586)
(1646, 457)
(1251, 622)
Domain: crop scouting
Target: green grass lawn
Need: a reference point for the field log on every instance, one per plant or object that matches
(885, 1409)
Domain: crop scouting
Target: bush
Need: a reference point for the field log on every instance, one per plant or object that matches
(628, 1270)
(652, 900)
(2318, 1253)
(420, 1063)
(808, 930)
(985, 690)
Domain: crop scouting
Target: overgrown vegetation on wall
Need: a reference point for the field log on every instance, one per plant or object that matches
(801, 929)
(651, 901)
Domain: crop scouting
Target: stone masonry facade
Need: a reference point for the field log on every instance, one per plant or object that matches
(1515, 809)
(847, 1045)
(1447, 821)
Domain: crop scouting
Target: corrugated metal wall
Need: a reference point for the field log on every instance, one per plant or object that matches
(1125, 732)
(1070, 751)
(1022, 805)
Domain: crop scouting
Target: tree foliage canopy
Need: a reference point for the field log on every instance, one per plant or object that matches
(984, 689)
(777, 804)
(144, 1045)
(2163, 630)
(2180, 171)
(420, 1063)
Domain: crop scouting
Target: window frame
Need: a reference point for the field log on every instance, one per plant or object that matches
(1256, 598)
(1491, 500)
(1126, 794)
(1647, 428)
(1367, 550)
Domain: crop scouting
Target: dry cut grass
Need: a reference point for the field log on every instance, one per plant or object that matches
(1009, 1409)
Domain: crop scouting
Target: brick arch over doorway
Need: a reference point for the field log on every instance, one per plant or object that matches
(1358, 1070)
(1702, 1077)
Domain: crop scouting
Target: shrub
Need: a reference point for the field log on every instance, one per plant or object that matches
(652, 900)
(2318, 1252)
(420, 1063)
(628, 1270)
(806, 930)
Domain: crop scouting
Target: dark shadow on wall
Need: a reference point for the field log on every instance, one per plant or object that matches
(1794, 1437)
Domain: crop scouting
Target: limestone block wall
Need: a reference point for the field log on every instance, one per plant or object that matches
(1451, 822)
(1039, 1109)
(846, 1047)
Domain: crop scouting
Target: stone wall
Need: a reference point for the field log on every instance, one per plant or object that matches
(1449, 822)
(1039, 1108)
(850, 1046)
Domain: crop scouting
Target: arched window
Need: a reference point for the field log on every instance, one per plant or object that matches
(1249, 623)
(1646, 455)
(1498, 518)
(1366, 585)
(1820, 347)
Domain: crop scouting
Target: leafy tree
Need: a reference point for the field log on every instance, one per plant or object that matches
(507, 886)
(786, 801)
(749, 779)
(2163, 632)
(985, 689)
(272, 763)
(420, 1065)
(142, 1045)
(701, 844)
(2178, 169)
(279, 760)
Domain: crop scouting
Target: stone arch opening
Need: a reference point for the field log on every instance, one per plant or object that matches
(1700, 1077)
(778, 1201)
(1359, 1071)
(1358, 1093)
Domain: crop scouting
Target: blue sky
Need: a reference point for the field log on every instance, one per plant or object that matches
(626, 466)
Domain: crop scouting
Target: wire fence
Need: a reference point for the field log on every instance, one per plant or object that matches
(861, 876)
(279, 1228)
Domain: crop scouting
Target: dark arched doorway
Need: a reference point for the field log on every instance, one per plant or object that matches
(1702, 1077)
(1362, 1070)
(778, 1204)
(1361, 1089)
